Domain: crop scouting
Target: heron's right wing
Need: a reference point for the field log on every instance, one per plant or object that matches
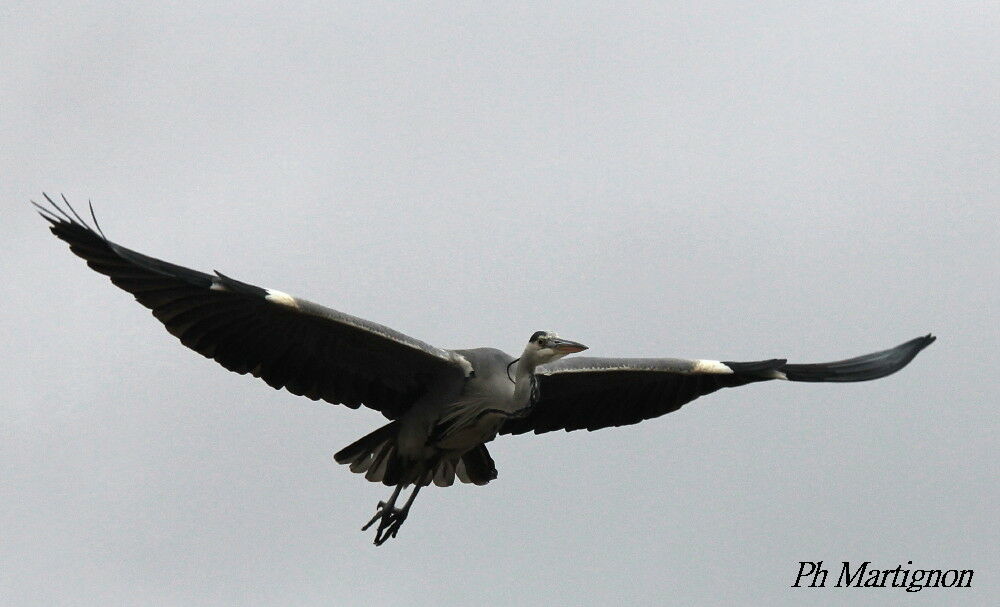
(288, 342)
(593, 393)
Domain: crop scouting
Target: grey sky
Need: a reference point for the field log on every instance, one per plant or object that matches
(736, 181)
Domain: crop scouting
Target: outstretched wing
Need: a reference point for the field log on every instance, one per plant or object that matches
(288, 342)
(594, 393)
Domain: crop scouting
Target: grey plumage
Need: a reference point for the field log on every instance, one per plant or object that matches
(443, 406)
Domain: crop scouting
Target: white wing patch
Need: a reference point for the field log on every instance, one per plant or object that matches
(280, 298)
(217, 286)
(462, 362)
(710, 366)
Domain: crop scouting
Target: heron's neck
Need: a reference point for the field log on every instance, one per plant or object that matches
(523, 371)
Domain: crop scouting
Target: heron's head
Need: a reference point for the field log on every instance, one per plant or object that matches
(546, 346)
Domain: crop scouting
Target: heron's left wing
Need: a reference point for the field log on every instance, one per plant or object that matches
(290, 343)
(593, 393)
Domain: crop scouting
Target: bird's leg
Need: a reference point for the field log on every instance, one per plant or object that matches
(390, 518)
(384, 513)
(399, 516)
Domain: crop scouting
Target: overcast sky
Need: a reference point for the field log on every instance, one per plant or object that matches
(736, 181)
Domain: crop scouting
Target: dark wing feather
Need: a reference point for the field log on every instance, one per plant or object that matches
(288, 342)
(860, 368)
(593, 393)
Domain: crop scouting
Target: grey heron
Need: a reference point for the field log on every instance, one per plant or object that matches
(442, 406)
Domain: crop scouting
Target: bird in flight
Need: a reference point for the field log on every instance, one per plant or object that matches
(442, 406)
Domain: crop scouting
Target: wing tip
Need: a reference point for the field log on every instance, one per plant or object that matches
(56, 215)
(908, 350)
(861, 368)
(918, 344)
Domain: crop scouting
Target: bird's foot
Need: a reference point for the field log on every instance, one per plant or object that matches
(389, 518)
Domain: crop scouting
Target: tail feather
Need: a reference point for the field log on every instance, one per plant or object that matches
(374, 455)
(361, 463)
(478, 466)
(444, 475)
(366, 444)
(380, 462)
(377, 457)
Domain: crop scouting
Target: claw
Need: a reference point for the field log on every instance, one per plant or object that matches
(389, 526)
(390, 518)
(380, 513)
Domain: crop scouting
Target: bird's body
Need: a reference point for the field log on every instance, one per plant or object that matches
(476, 414)
(443, 406)
(441, 427)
